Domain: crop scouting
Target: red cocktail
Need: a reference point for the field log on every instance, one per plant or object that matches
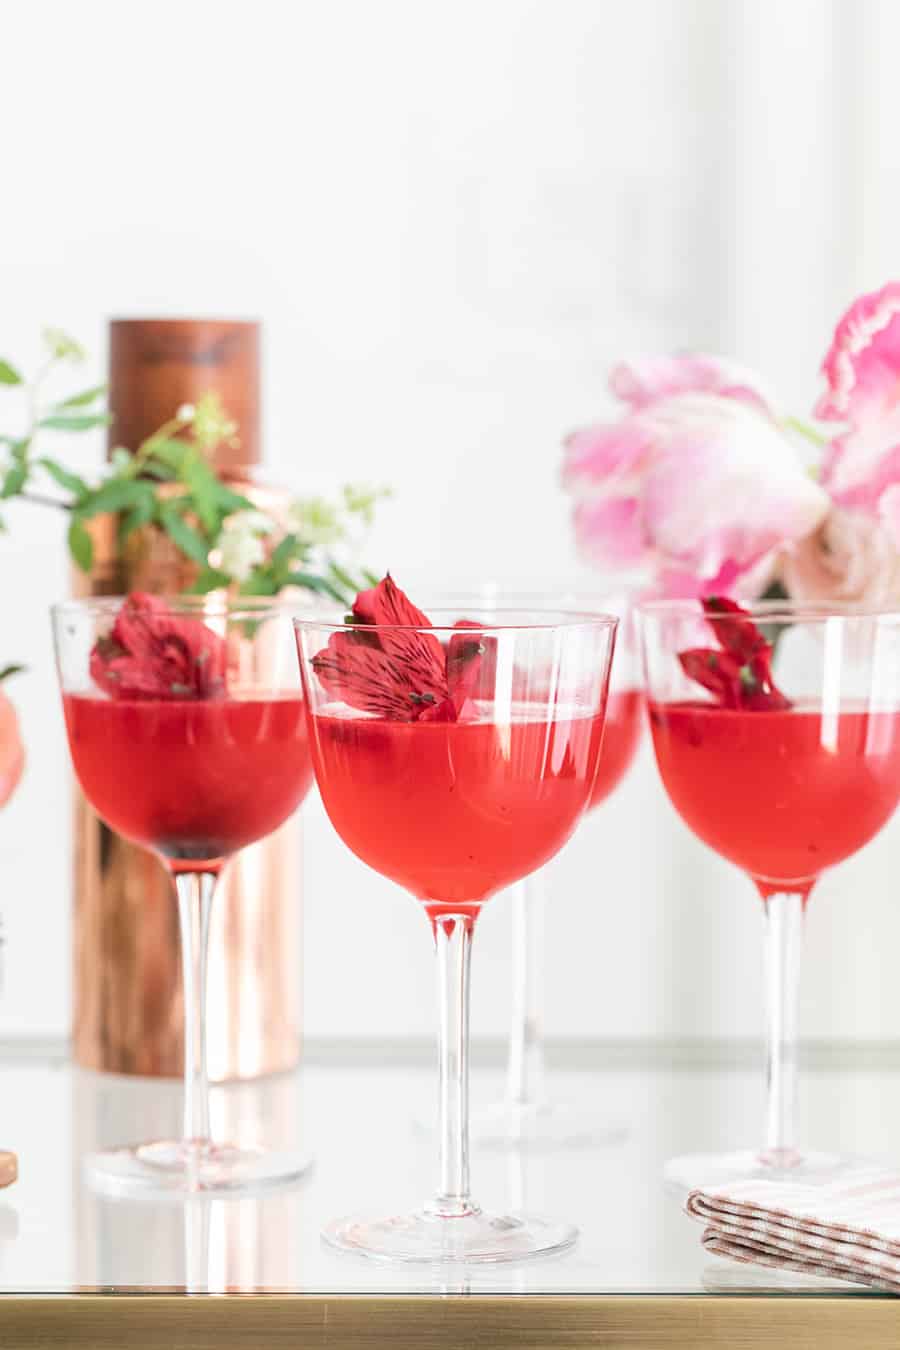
(788, 764)
(188, 735)
(454, 760)
(463, 808)
(785, 793)
(624, 722)
(195, 780)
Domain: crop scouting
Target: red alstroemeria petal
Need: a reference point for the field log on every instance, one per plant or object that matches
(736, 632)
(716, 671)
(373, 680)
(471, 669)
(740, 675)
(153, 653)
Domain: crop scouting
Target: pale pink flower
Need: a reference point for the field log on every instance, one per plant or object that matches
(639, 383)
(698, 489)
(851, 558)
(862, 365)
(862, 370)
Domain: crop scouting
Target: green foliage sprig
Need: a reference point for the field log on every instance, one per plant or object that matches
(168, 483)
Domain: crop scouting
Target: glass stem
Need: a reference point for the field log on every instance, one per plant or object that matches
(453, 944)
(784, 934)
(195, 892)
(525, 1071)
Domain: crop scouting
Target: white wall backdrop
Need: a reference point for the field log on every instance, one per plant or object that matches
(452, 219)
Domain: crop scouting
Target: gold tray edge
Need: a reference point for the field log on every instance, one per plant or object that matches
(526, 1322)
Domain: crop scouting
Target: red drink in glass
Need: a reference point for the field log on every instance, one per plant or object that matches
(783, 794)
(195, 779)
(624, 718)
(463, 808)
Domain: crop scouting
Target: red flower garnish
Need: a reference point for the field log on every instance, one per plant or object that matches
(404, 676)
(740, 674)
(154, 654)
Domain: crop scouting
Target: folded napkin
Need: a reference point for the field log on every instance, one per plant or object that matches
(849, 1229)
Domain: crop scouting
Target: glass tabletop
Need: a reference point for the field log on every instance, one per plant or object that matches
(357, 1115)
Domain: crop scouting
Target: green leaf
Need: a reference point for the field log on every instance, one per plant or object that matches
(260, 582)
(83, 399)
(210, 580)
(202, 483)
(9, 374)
(159, 471)
(342, 578)
(81, 546)
(228, 502)
(140, 514)
(168, 451)
(10, 670)
(116, 494)
(14, 480)
(283, 553)
(310, 582)
(70, 481)
(184, 536)
(75, 421)
(370, 578)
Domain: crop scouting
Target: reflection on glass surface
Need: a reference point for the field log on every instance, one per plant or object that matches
(201, 1244)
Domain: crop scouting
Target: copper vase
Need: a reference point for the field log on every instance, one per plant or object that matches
(127, 998)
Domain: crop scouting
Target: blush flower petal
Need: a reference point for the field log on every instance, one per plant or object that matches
(652, 378)
(862, 365)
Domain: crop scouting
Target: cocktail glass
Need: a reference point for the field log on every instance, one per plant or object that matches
(527, 1115)
(477, 791)
(187, 731)
(797, 775)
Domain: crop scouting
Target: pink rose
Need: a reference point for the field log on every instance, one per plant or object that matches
(697, 485)
(851, 558)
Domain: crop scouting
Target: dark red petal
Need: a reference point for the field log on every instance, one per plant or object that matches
(387, 604)
(153, 653)
(736, 632)
(392, 669)
(716, 671)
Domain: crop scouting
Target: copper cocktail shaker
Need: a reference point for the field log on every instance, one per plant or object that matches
(127, 998)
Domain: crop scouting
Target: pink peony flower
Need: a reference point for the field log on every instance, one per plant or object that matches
(700, 489)
(852, 558)
(862, 370)
(646, 381)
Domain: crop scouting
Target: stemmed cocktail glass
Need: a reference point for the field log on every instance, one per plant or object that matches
(188, 735)
(777, 735)
(454, 761)
(527, 1115)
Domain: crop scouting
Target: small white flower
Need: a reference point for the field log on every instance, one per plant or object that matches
(241, 544)
(315, 522)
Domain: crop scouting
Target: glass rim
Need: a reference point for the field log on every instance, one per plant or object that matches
(769, 610)
(200, 605)
(544, 621)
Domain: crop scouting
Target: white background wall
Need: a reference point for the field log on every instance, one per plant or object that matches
(452, 219)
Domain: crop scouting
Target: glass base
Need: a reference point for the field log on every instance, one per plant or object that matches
(188, 1167)
(542, 1125)
(716, 1171)
(468, 1239)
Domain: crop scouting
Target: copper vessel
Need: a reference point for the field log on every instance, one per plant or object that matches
(127, 998)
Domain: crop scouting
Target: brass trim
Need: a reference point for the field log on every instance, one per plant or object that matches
(429, 1322)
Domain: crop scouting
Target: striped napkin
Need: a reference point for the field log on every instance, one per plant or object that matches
(848, 1229)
